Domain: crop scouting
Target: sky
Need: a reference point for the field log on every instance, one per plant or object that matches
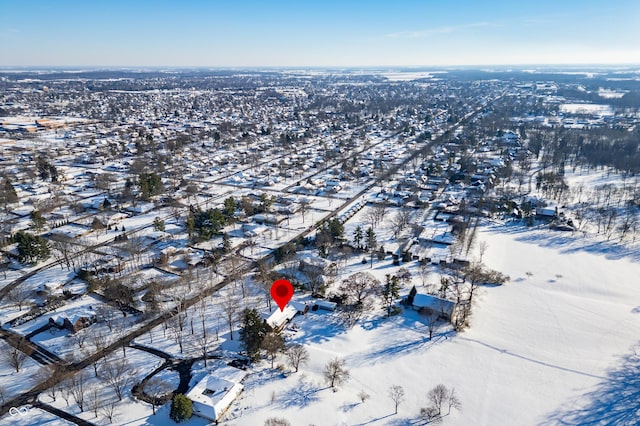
(327, 33)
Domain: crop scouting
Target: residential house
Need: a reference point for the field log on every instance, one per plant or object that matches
(214, 393)
(428, 305)
(75, 321)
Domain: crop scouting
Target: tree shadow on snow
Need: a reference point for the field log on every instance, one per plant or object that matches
(615, 401)
(393, 420)
(569, 242)
(320, 327)
(301, 395)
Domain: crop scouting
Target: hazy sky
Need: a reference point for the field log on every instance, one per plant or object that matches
(317, 33)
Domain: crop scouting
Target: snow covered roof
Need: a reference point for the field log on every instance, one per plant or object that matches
(433, 303)
(278, 318)
(213, 395)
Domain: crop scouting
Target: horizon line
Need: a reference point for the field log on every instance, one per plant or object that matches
(353, 67)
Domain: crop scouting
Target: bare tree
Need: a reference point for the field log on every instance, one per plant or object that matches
(264, 277)
(93, 402)
(66, 390)
(277, 421)
(16, 356)
(315, 278)
(476, 274)
(109, 411)
(202, 343)
(335, 372)
(236, 272)
(363, 396)
(482, 249)
(65, 250)
(272, 343)
(54, 375)
(157, 389)
(358, 287)
(379, 212)
(118, 374)
(297, 355)
(230, 308)
(425, 270)
(400, 221)
(438, 396)
(80, 338)
(453, 401)
(177, 324)
(431, 414)
(105, 314)
(432, 323)
(78, 388)
(396, 393)
(375, 214)
(19, 296)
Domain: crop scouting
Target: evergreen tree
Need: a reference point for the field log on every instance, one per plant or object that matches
(358, 237)
(150, 184)
(181, 408)
(390, 292)
(226, 243)
(412, 295)
(31, 248)
(336, 229)
(8, 193)
(230, 206)
(158, 224)
(106, 204)
(252, 333)
(371, 242)
(203, 224)
(37, 221)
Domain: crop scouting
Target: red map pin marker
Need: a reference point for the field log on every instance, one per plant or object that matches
(281, 292)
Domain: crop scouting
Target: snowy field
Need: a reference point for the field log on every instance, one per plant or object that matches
(596, 109)
(551, 346)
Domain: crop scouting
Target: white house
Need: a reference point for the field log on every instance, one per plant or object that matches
(278, 319)
(214, 393)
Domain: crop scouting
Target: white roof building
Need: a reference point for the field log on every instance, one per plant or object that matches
(213, 395)
(278, 319)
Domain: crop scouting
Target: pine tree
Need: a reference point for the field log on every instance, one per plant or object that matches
(31, 248)
(390, 292)
(226, 243)
(357, 237)
(412, 295)
(371, 240)
(252, 333)
(158, 224)
(8, 193)
(37, 220)
(181, 408)
(371, 243)
(230, 206)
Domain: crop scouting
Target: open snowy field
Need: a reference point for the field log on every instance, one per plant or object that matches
(553, 345)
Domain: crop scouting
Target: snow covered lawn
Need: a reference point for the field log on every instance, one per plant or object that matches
(543, 348)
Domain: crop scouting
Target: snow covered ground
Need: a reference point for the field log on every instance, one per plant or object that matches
(549, 346)
(555, 344)
(12, 383)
